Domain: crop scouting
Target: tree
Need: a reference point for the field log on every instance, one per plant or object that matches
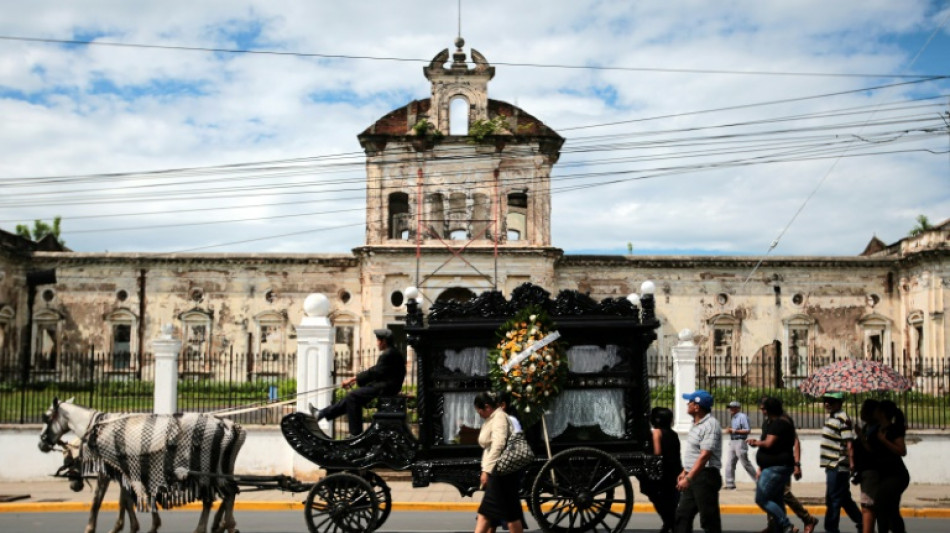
(922, 225)
(41, 229)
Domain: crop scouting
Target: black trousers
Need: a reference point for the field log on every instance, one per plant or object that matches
(700, 497)
(665, 497)
(352, 405)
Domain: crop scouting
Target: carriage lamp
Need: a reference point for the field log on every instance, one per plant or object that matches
(634, 299)
(411, 293)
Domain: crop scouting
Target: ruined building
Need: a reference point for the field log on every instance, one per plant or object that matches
(458, 202)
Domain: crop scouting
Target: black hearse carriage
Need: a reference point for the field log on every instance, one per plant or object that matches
(598, 429)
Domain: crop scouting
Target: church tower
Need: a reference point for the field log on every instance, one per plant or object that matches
(459, 166)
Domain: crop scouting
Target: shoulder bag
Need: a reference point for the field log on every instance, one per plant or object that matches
(515, 455)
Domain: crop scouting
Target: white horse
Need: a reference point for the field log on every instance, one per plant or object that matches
(63, 417)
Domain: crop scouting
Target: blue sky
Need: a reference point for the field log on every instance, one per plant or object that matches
(669, 146)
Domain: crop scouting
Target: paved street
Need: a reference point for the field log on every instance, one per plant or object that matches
(408, 521)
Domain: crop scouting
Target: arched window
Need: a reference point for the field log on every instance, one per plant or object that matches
(725, 341)
(196, 340)
(458, 116)
(877, 338)
(516, 221)
(799, 339)
(398, 215)
(47, 339)
(455, 294)
(123, 332)
(271, 339)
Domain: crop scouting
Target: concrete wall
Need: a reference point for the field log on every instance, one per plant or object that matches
(266, 453)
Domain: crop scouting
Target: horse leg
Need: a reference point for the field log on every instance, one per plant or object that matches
(126, 506)
(156, 522)
(102, 483)
(205, 511)
(224, 518)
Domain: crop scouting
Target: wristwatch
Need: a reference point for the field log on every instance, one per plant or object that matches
(797, 463)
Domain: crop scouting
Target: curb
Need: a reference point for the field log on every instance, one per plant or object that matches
(73, 507)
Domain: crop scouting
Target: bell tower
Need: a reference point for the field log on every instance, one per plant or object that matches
(458, 82)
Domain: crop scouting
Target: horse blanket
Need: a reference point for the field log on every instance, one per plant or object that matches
(151, 455)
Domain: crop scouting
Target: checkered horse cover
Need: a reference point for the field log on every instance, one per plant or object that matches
(151, 455)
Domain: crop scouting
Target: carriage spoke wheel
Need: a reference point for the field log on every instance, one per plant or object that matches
(582, 489)
(341, 503)
(382, 494)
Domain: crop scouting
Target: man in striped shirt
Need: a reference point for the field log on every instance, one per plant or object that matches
(836, 439)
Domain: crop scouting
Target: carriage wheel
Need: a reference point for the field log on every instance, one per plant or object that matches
(341, 503)
(582, 489)
(382, 494)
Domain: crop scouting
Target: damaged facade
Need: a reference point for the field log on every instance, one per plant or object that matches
(457, 214)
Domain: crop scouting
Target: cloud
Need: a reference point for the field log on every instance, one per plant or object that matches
(683, 174)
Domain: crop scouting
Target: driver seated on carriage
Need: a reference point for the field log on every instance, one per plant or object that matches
(382, 379)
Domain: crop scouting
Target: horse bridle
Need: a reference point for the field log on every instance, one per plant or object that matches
(49, 420)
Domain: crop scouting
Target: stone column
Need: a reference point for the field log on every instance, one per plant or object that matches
(315, 356)
(166, 350)
(684, 379)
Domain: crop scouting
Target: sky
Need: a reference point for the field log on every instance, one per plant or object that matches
(692, 127)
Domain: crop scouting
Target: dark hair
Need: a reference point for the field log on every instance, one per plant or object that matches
(661, 418)
(867, 409)
(773, 407)
(490, 399)
(892, 412)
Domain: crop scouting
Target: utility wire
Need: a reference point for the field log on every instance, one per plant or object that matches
(814, 191)
(419, 60)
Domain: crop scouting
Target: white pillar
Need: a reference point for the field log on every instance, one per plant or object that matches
(684, 379)
(315, 356)
(166, 350)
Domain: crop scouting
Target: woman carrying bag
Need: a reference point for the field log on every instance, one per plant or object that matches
(502, 501)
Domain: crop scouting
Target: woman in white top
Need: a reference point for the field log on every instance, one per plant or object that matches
(502, 502)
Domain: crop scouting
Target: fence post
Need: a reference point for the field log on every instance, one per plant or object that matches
(684, 379)
(166, 350)
(315, 356)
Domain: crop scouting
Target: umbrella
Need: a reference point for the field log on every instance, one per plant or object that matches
(854, 375)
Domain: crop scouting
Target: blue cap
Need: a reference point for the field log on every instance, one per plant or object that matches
(700, 397)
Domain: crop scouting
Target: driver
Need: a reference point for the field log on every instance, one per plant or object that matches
(382, 379)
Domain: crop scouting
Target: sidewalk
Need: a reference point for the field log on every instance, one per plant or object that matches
(54, 495)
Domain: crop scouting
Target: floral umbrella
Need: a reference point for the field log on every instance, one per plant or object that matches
(854, 375)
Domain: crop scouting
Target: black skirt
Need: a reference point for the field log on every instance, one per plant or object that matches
(502, 501)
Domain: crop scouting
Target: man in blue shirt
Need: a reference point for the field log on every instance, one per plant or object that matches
(702, 458)
(738, 449)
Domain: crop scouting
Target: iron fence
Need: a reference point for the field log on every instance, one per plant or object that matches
(125, 383)
(747, 380)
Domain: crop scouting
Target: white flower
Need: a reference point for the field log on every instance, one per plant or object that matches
(509, 334)
(501, 361)
(546, 393)
(532, 318)
(532, 368)
(527, 409)
(528, 388)
(533, 331)
(508, 388)
(547, 358)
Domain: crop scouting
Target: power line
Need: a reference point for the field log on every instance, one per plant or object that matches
(206, 49)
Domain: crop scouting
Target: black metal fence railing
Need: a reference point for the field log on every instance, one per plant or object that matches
(125, 383)
(228, 380)
(747, 380)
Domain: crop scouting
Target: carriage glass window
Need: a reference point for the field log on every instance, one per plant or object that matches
(588, 359)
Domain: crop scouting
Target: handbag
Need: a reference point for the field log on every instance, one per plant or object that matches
(515, 455)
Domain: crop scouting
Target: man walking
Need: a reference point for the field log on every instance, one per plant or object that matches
(836, 439)
(738, 449)
(702, 459)
(382, 379)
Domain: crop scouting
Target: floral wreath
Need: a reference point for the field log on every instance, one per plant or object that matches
(533, 379)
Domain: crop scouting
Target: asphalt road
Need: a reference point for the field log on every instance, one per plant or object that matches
(403, 521)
